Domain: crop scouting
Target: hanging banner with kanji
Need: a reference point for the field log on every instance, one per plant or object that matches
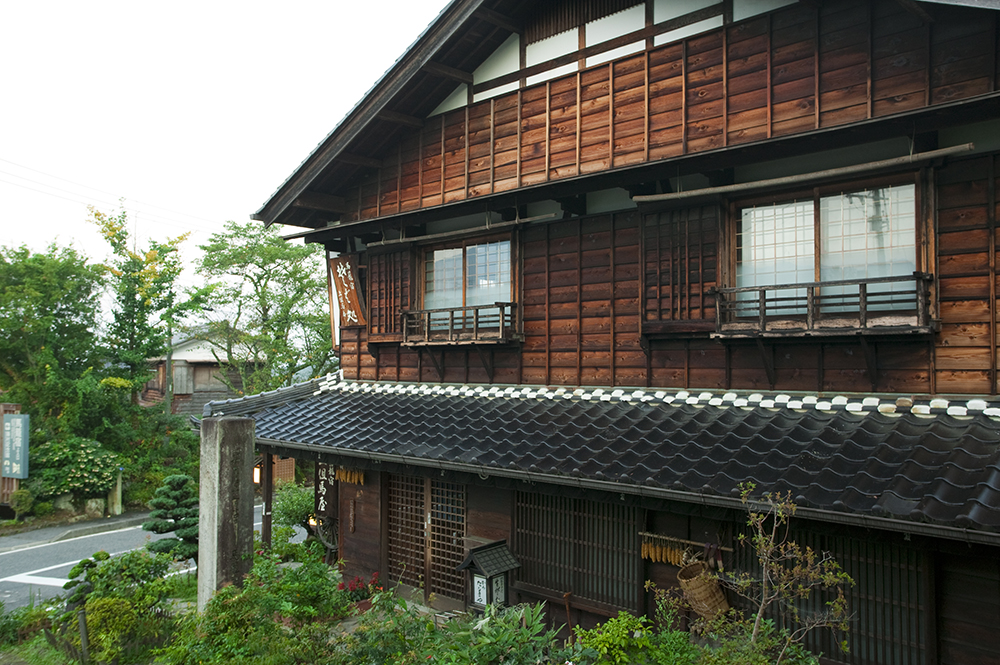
(348, 298)
(326, 490)
(15, 446)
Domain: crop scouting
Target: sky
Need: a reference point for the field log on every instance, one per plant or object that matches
(191, 113)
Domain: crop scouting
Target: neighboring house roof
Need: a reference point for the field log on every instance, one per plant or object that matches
(192, 351)
(928, 467)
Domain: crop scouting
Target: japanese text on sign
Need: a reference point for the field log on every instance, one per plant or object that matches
(15, 446)
(346, 287)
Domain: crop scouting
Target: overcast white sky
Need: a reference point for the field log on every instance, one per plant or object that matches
(193, 112)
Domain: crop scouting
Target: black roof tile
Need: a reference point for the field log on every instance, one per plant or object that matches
(941, 468)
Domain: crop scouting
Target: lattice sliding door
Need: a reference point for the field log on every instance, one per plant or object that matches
(447, 539)
(426, 520)
(588, 548)
(406, 530)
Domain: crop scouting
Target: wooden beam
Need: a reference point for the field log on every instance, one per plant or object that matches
(323, 202)
(359, 160)
(444, 71)
(497, 19)
(400, 119)
(915, 9)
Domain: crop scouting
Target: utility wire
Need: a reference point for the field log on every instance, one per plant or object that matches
(179, 224)
(49, 175)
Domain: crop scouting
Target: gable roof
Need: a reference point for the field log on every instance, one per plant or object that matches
(929, 467)
(461, 38)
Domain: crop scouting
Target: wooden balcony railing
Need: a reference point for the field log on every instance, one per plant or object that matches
(880, 305)
(495, 323)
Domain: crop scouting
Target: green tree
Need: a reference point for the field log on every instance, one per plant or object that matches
(269, 320)
(175, 511)
(48, 334)
(144, 297)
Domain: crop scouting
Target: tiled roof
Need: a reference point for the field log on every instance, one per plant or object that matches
(931, 461)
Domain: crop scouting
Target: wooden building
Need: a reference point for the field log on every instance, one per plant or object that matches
(598, 262)
(196, 374)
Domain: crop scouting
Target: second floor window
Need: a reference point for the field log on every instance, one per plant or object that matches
(467, 276)
(855, 235)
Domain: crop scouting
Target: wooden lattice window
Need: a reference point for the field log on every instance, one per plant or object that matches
(406, 529)
(588, 548)
(888, 603)
(426, 520)
(681, 253)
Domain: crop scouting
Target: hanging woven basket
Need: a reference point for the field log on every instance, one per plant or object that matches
(702, 590)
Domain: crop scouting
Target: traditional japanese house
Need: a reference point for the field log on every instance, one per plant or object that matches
(597, 263)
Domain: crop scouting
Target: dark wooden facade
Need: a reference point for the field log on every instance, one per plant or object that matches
(639, 310)
(606, 293)
(798, 69)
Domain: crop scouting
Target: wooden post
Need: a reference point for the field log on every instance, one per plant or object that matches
(225, 525)
(267, 489)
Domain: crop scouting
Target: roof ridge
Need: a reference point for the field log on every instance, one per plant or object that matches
(773, 400)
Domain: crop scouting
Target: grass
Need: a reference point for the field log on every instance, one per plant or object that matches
(33, 652)
(183, 586)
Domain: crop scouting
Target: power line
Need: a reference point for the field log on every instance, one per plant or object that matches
(179, 224)
(49, 175)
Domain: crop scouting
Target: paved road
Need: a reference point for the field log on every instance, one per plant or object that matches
(37, 569)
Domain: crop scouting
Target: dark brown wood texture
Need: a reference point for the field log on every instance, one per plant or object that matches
(680, 256)
(587, 302)
(801, 68)
(968, 609)
(361, 550)
(965, 353)
(388, 293)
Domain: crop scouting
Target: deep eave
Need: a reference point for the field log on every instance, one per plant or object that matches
(451, 19)
(929, 468)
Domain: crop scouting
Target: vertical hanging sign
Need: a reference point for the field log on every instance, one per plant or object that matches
(348, 298)
(15, 446)
(325, 490)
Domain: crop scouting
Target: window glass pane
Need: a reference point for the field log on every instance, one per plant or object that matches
(868, 234)
(773, 241)
(876, 238)
(487, 273)
(443, 278)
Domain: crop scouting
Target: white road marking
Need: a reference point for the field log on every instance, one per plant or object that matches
(68, 540)
(36, 580)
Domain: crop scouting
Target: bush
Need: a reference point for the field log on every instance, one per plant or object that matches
(21, 501)
(503, 635)
(293, 505)
(176, 511)
(43, 509)
(281, 615)
(124, 598)
(73, 465)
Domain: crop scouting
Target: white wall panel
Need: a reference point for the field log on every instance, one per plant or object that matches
(746, 8)
(689, 30)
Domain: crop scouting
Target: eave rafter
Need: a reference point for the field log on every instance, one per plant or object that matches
(321, 202)
(444, 71)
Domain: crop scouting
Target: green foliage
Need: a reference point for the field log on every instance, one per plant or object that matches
(268, 301)
(21, 502)
(142, 283)
(293, 505)
(72, 465)
(10, 622)
(619, 640)
(48, 323)
(175, 511)
(43, 509)
(124, 598)
(787, 573)
(503, 635)
(391, 632)
(280, 615)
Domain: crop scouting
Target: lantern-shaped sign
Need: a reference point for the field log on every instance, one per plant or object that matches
(488, 566)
